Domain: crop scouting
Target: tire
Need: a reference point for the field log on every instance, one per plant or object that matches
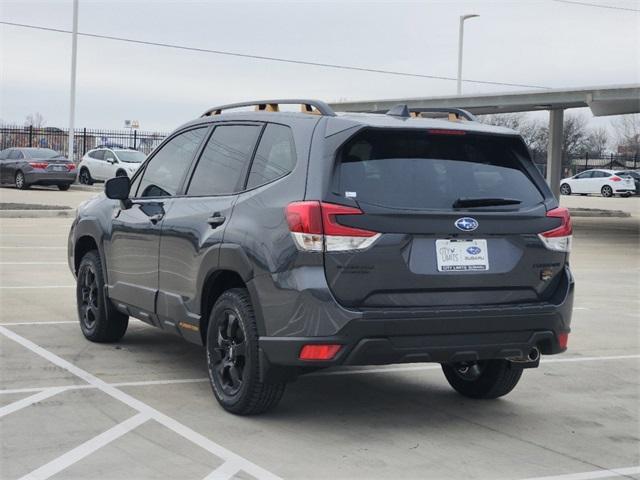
(85, 176)
(64, 187)
(99, 320)
(121, 173)
(483, 379)
(233, 361)
(565, 189)
(607, 191)
(20, 181)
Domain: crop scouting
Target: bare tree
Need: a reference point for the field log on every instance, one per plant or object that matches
(575, 135)
(35, 120)
(597, 142)
(533, 132)
(628, 132)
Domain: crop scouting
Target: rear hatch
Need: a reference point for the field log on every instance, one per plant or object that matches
(455, 219)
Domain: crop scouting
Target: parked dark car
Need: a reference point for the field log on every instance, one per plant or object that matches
(286, 242)
(633, 174)
(24, 167)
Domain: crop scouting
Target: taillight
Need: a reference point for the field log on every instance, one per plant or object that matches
(71, 166)
(319, 352)
(39, 164)
(558, 239)
(314, 227)
(615, 179)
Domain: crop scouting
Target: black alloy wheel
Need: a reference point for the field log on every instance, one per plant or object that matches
(88, 297)
(229, 354)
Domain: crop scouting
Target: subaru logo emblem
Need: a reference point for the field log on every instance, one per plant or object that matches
(473, 250)
(466, 224)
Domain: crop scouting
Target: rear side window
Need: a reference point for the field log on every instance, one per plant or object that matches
(97, 154)
(276, 156)
(420, 170)
(164, 172)
(16, 155)
(223, 164)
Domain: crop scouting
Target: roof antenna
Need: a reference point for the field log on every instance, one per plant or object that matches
(400, 111)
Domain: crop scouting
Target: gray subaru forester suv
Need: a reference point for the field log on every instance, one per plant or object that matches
(289, 241)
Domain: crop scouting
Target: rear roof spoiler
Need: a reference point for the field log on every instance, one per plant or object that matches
(454, 114)
(314, 107)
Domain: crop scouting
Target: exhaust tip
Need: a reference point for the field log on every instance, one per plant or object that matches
(534, 354)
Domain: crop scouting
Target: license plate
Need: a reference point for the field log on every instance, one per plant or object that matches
(59, 168)
(462, 255)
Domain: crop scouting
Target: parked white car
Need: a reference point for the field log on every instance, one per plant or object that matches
(101, 164)
(604, 182)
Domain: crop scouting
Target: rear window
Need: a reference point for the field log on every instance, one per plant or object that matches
(420, 170)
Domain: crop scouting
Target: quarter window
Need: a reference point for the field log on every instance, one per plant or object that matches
(224, 161)
(276, 156)
(164, 173)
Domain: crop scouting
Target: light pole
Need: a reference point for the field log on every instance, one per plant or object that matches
(72, 102)
(460, 41)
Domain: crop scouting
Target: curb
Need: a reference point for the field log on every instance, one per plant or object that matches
(71, 213)
(596, 212)
(86, 188)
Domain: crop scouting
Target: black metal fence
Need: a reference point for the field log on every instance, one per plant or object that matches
(574, 164)
(84, 139)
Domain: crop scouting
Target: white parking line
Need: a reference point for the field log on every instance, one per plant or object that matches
(145, 383)
(34, 287)
(85, 449)
(30, 400)
(34, 263)
(22, 247)
(39, 235)
(143, 408)
(610, 473)
(12, 324)
(437, 367)
(224, 472)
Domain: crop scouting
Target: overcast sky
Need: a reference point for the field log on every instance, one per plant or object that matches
(542, 42)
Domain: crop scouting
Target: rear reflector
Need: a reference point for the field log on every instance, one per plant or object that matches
(563, 340)
(319, 352)
(314, 227)
(558, 239)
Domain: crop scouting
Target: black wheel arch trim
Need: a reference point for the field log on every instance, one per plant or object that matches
(87, 227)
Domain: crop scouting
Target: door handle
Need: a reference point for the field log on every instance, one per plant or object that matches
(216, 220)
(156, 218)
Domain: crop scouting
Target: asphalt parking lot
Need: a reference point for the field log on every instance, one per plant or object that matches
(143, 408)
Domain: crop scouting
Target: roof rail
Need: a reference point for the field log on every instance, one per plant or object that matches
(316, 107)
(454, 114)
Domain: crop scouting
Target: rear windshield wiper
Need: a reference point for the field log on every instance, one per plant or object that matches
(484, 202)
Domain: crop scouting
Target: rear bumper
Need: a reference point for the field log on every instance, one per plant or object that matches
(438, 335)
(50, 178)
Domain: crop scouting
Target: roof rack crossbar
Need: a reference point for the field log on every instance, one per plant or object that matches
(403, 110)
(307, 106)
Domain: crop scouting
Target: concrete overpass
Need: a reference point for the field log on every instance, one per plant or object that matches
(602, 100)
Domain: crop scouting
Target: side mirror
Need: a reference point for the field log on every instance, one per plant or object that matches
(117, 188)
